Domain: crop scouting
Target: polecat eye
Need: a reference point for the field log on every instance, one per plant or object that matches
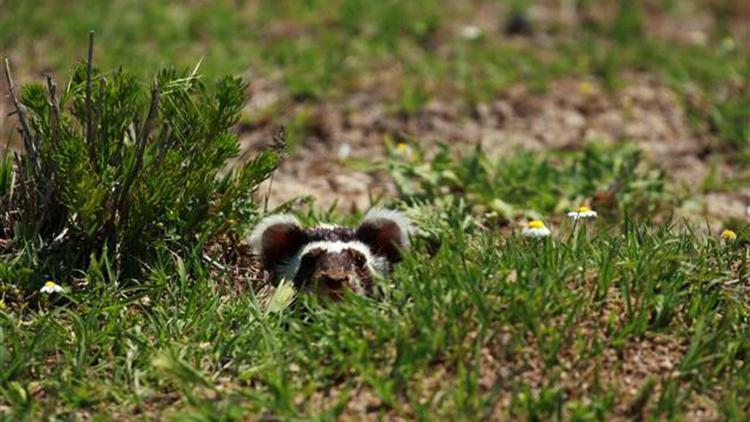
(309, 259)
(360, 260)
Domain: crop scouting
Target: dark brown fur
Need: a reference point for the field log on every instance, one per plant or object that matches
(328, 273)
(331, 269)
(331, 234)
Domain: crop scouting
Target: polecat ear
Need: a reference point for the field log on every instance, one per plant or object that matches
(386, 232)
(277, 238)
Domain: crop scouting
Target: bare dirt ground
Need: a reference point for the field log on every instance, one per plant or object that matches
(564, 117)
(570, 113)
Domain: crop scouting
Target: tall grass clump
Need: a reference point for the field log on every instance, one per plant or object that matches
(118, 167)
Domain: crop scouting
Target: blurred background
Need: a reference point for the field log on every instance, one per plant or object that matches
(349, 77)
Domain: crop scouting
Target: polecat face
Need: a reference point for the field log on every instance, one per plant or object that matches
(329, 259)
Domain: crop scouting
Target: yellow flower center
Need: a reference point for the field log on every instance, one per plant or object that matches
(50, 284)
(584, 209)
(586, 87)
(536, 224)
(401, 147)
(728, 234)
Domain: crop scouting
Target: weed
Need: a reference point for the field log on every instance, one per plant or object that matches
(526, 184)
(112, 168)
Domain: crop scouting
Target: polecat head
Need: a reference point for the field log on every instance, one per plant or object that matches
(327, 258)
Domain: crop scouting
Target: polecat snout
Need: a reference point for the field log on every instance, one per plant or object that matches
(327, 258)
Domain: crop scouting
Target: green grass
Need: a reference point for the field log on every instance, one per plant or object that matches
(322, 50)
(525, 184)
(180, 342)
(477, 322)
(633, 314)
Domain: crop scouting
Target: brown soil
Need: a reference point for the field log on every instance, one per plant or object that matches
(567, 115)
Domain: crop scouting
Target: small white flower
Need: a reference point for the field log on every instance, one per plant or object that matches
(403, 150)
(471, 32)
(728, 44)
(51, 287)
(583, 212)
(536, 228)
(345, 150)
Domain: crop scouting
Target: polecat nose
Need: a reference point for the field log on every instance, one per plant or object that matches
(333, 276)
(333, 283)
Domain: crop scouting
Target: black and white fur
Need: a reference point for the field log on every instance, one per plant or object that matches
(329, 258)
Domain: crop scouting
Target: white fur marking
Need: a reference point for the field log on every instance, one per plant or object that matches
(374, 263)
(327, 226)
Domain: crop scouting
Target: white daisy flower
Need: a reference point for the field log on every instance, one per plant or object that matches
(536, 228)
(582, 212)
(471, 32)
(403, 150)
(728, 44)
(345, 150)
(728, 235)
(51, 287)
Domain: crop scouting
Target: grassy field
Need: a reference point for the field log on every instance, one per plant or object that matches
(643, 312)
(321, 51)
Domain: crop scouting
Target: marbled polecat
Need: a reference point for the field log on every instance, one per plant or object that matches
(328, 259)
